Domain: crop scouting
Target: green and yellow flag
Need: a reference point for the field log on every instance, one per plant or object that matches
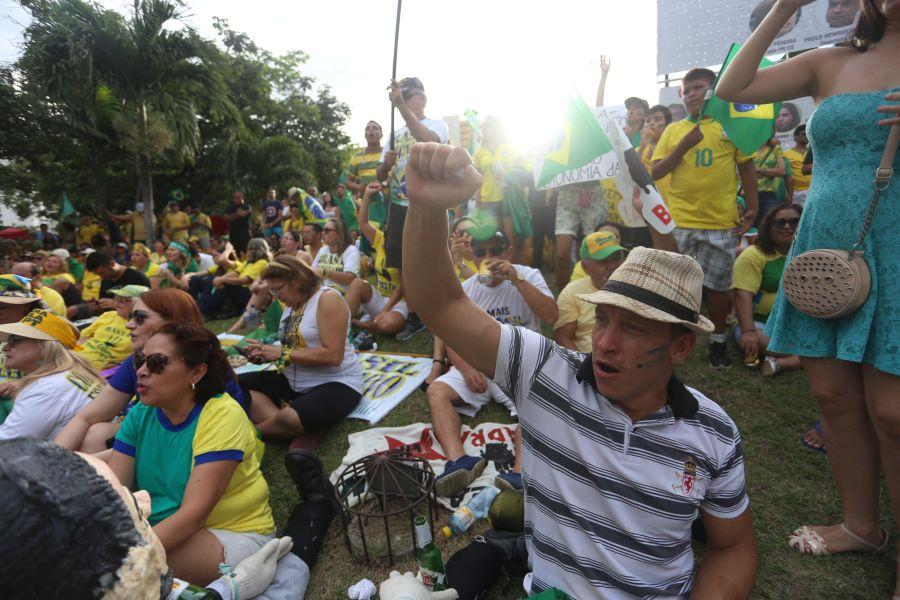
(581, 141)
(748, 125)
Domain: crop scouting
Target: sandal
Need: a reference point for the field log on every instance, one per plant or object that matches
(817, 427)
(806, 541)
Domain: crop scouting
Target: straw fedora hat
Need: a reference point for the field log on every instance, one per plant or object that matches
(657, 285)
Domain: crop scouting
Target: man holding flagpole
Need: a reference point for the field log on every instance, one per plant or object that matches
(705, 163)
(408, 97)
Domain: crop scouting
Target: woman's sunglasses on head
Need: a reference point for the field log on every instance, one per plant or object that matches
(494, 250)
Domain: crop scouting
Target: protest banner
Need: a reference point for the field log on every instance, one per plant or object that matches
(493, 441)
(622, 165)
(387, 379)
(697, 33)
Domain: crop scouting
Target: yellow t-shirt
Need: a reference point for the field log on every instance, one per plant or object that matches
(484, 160)
(157, 259)
(253, 269)
(613, 196)
(703, 189)
(197, 222)
(470, 265)
(109, 341)
(139, 226)
(86, 233)
(386, 279)
(795, 158)
(758, 273)
(571, 309)
(90, 286)
(152, 269)
(49, 279)
(223, 427)
(53, 300)
(173, 220)
(293, 224)
(578, 272)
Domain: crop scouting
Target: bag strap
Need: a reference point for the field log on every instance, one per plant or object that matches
(883, 175)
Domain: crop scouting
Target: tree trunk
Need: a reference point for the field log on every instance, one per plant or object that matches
(146, 179)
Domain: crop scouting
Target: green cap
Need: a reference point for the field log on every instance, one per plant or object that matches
(599, 245)
(130, 291)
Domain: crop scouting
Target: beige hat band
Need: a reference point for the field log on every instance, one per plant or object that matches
(652, 299)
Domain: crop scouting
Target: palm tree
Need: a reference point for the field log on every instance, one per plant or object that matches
(148, 79)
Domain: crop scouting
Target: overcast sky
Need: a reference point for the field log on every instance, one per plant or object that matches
(518, 59)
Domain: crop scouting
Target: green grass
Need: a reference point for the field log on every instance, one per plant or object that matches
(788, 486)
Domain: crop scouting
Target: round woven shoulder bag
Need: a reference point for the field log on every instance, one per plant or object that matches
(832, 283)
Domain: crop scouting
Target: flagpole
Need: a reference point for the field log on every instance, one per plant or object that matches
(394, 67)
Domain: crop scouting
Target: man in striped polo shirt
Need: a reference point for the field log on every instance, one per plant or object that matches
(619, 457)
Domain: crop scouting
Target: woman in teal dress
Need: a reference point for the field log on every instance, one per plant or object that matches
(852, 363)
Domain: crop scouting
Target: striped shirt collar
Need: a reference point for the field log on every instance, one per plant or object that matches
(680, 401)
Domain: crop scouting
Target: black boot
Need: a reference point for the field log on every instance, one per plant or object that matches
(309, 476)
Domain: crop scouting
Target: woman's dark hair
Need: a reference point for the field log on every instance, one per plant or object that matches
(293, 235)
(173, 305)
(197, 345)
(664, 110)
(870, 27)
(765, 241)
(66, 531)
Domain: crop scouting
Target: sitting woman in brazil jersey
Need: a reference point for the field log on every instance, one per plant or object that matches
(190, 445)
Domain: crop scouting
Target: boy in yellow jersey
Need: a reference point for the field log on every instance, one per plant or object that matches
(704, 165)
(361, 172)
(795, 157)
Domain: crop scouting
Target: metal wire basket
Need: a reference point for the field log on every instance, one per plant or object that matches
(379, 496)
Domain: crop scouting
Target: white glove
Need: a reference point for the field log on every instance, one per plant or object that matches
(407, 587)
(255, 573)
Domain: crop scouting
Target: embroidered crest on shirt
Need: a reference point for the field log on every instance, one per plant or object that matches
(684, 480)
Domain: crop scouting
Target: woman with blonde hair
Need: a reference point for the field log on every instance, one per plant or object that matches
(318, 377)
(337, 261)
(141, 260)
(55, 274)
(56, 382)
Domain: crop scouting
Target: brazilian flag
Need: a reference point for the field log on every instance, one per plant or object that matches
(581, 141)
(748, 126)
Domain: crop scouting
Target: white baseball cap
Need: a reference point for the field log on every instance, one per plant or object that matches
(61, 252)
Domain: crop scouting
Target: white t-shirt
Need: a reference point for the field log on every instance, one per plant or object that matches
(45, 406)
(348, 262)
(205, 261)
(303, 332)
(403, 143)
(504, 302)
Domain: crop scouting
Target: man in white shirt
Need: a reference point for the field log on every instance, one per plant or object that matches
(618, 456)
(513, 294)
(408, 97)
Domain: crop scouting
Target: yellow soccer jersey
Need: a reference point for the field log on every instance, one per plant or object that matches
(703, 190)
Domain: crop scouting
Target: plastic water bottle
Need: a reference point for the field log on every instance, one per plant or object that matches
(466, 515)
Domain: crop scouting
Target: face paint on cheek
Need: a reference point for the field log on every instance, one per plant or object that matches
(653, 351)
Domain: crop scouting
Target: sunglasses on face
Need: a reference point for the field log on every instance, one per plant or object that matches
(781, 223)
(156, 363)
(14, 339)
(139, 317)
(276, 292)
(494, 250)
